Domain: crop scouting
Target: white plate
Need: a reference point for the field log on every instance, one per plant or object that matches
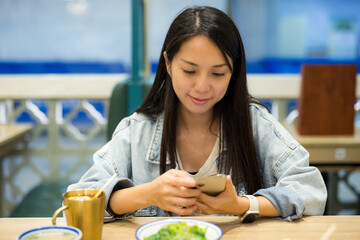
(58, 230)
(213, 232)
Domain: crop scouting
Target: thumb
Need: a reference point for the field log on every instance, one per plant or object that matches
(229, 183)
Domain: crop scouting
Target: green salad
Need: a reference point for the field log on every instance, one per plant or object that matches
(177, 231)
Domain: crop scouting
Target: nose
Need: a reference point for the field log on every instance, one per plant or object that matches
(202, 83)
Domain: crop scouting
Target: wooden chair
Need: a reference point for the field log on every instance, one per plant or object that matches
(327, 98)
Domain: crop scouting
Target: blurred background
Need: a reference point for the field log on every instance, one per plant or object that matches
(91, 36)
(112, 41)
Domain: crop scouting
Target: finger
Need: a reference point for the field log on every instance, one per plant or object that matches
(203, 208)
(189, 192)
(229, 187)
(179, 201)
(178, 173)
(185, 181)
(204, 198)
(171, 192)
(183, 211)
(186, 202)
(229, 184)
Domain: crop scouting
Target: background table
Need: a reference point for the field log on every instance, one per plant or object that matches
(331, 151)
(332, 154)
(346, 227)
(11, 135)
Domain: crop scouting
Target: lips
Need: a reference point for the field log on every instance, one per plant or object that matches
(199, 101)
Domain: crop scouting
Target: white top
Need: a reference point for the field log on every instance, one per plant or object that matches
(209, 168)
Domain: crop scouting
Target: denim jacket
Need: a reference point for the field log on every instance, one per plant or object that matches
(133, 154)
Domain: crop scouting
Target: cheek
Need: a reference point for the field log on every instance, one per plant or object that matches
(178, 85)
(222, 89)
(180, 82)
(176, 88)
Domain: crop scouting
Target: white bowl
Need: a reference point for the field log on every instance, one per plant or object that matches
(61, 232)
(213, 232)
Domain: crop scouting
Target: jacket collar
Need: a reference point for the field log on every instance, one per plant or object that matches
(153, 153)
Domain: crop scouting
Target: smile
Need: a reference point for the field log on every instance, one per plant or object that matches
(199, 101)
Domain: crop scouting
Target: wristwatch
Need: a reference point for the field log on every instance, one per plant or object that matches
(253, 211)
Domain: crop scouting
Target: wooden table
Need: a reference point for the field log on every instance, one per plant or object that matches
(11, 135)
(331, 152)
(345, 227)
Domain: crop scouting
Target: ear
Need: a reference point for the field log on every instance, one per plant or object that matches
(168, 65)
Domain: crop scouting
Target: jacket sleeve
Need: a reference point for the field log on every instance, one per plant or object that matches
(293, 187)
(104, 167)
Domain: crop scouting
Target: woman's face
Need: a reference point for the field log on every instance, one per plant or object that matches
(200, 74)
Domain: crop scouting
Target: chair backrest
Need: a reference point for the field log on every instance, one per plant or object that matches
(327, 98)
(118, 106)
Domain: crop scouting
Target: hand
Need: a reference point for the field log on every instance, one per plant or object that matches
(227, 202)
(174, 191)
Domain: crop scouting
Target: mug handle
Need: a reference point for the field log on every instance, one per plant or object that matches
(57, 212)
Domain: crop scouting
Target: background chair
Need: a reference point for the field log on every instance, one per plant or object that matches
(118, 104)
(327, 99)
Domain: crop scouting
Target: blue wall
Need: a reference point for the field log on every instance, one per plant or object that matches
(94, 36)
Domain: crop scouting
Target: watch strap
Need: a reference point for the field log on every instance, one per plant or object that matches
(253, 211)
(254, 204)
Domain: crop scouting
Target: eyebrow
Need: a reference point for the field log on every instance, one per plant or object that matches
(194, 64)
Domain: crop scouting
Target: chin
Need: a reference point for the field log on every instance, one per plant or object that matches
(199, 110)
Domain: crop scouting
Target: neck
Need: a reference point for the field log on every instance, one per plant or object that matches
(193, 122)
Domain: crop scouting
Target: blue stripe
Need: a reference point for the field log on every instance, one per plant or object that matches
(61, 67)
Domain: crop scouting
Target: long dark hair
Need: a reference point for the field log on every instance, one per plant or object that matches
(238, 157)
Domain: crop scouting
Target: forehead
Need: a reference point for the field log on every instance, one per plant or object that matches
(200, 50)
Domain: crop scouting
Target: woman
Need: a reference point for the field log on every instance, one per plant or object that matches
(200, 120)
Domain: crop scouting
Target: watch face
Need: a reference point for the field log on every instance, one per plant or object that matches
(249, 218)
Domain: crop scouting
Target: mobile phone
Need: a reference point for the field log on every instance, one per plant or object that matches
(211, 185)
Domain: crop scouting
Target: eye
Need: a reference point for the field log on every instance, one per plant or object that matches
(219, 74)
(188, 72)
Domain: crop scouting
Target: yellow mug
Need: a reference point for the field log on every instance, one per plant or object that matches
(84, 212)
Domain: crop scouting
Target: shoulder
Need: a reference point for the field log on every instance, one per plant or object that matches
(138, 121)
(258, 110)
(266, 126)
(261, 115)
